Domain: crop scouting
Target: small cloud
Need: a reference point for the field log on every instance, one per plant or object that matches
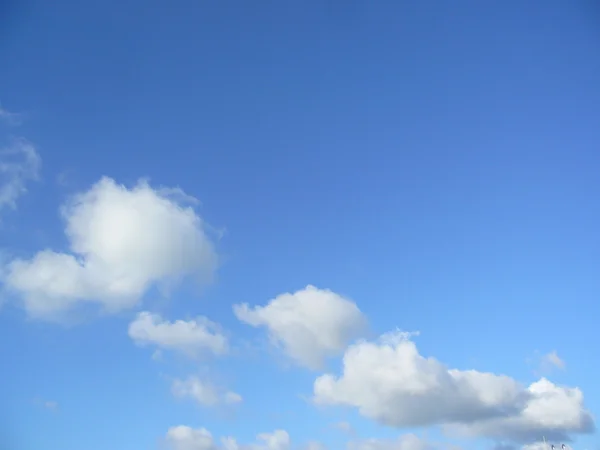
(313, 445)
(309, 325)
(157, 355)
(50, 405)
(10, 118)
(552, 360)
(19, 164)
(231, 398)
(178, 195)
(404, 442)
(65, 178)
(543, 364)
(190, 337)
(344, 427)
(203, 392)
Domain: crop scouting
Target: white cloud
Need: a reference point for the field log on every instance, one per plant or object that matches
(315, 446)
(344, 427)
(552, 411)
(310, 324)
(192, 337)
(405, 442)
(122, 241)
(51, 405)
(203, 392)
(553, 360)
(533, 446)
(390, 382)
(19, 164)
(231, 398)
(186, 438)
(46, 404)
(277, 440)
(536, 446)
(9, 118)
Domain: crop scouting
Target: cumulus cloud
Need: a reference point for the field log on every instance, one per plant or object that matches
(122, 242)
(309, 325)
(552, 411)
(405, 442)
(203, 392)
(19, 164)
(390, 382)
(187, 438)
(277, 440)
(192, 337)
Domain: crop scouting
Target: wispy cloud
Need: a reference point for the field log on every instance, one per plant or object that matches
(345, 427)
(544, 364)
(19, 164)
(552, 361)
(10, 118)
(50, 405)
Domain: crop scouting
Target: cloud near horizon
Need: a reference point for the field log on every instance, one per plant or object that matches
(390, 382)
(188, 438)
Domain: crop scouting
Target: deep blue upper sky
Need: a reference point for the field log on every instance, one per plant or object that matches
(436, 162)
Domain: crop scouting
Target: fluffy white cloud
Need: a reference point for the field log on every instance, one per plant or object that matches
(203, 392)
(186, 438)
(390, 382)
(405, 442)
(122, 241)
(552, 411)
(191, 337)
(277, 440)
(19, 164)
(310, 324)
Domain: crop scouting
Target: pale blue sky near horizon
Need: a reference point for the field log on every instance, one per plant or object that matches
(436, 162)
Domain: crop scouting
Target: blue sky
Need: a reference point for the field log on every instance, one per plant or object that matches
(391, 166)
